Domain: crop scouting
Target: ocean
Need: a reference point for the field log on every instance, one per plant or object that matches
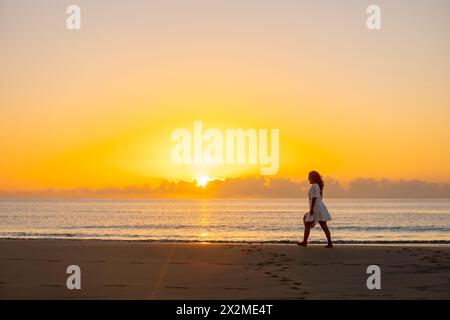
(226, 220)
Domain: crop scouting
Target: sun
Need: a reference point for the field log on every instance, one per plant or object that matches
(202, 181)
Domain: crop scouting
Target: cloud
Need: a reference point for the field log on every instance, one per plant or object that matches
(254, 187)
(384, 188)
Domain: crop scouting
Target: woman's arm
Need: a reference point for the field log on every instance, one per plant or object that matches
(311, 209)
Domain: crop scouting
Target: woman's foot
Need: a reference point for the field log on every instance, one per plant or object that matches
(330, 245)
(302, 244)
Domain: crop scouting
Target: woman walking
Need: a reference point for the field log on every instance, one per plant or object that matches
(318, 212)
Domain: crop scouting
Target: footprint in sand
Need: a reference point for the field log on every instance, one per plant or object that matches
(177, 287)
(51, 285)
(115, 285)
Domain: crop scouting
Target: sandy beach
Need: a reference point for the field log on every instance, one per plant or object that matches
(36, 269)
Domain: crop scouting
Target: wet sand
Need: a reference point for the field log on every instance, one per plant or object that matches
(36, 269)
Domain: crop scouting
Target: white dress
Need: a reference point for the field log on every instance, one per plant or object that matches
(320, 210)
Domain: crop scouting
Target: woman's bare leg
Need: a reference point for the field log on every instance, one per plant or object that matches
(306, 234)
(325, 229)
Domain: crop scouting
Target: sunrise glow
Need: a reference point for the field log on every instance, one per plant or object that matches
(99, 113)
(202, 181)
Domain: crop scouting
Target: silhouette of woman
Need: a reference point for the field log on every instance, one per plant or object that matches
(318, 212)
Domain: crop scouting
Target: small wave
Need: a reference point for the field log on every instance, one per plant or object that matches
(393, 228)
(138, 238)
(262, 228)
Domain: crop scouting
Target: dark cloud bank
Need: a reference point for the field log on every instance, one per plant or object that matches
(251, 187)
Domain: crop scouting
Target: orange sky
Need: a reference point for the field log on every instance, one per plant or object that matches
(96, 107)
